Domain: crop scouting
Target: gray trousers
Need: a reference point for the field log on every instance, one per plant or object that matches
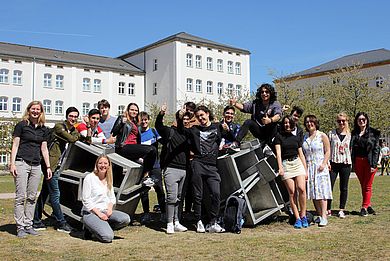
(102, 229)
(174, 181)
(26, 185)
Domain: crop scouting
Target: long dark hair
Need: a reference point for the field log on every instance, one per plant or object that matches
(271, 90)
(356, 127)
(290, 120)
(135, 120)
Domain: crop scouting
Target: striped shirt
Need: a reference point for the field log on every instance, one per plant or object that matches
(340, 151)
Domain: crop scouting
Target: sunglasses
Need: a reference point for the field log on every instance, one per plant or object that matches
(341, 121)
(229, 113)
(362, 119)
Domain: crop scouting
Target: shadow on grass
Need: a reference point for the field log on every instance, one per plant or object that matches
(9, 228)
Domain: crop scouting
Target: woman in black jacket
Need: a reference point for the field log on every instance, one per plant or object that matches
(365, 155)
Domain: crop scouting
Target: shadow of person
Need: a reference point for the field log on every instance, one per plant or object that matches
(10, 228)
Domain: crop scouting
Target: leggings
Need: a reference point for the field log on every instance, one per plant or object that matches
(135, 151)
(344, 170)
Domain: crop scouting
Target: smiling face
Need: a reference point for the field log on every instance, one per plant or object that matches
(229, 116)
(362, 121)
(102, 165)
(265, 94)
(203, 117)
(94, 120)
(286, 124)
(341, 122)
(72, 118)
(133, 111)
(35, 111)
(186, 121)
(310, 125)
(144, 122)
(296, 116)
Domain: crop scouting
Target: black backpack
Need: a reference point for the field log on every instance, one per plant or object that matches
(233, 217)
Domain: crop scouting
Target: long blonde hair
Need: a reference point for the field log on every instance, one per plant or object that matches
(343, 114)
(41, 119)
(109, 171)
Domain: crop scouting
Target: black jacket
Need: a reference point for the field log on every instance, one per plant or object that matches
(121, 131)
(372, 145)
(174, 155)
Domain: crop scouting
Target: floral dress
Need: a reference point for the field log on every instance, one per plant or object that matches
(318, 183)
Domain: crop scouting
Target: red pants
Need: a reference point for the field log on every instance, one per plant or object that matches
(366, 178)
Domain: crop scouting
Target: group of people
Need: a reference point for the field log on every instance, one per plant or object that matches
(308, 163)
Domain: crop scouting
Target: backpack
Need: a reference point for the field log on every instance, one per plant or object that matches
(233, 216)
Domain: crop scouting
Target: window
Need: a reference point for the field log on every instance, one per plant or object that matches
(121, 109)
(209, 87)
(220, 65)
(238, 90)
(238, 68)
(97, 85)
(189, 85)
(47, 80)
(60, 67)
(59, 107)
(3, 158)
(3, 103)
(47, 106)
(121, 88)
(379, 81)
(59, 81)
(155, 65)
(198, 62)
(209, 63)
(86, 70)
(86, 84)
(4, 60)
(85, 108)
(47, 65)
(16, 104)
(155, 88)
(18, 61)
(189, 60)
(131, 90)
(198, 86)
(220, 88)
(4, 76)
(230, 67)
(95, 106)
(97, 71)
(17, 79)
(230, 89)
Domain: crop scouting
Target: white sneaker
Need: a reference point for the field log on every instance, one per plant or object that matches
(200, 227)
(170, 228)
(215, 228)
(323, 222)
(179, 227)
(341, 214)
(148, 182)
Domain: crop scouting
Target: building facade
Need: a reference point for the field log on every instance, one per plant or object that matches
(184, 67)
(176, 69)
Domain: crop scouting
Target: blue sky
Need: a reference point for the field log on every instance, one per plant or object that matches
(283, 36)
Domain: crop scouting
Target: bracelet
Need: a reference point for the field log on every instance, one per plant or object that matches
(48, 167)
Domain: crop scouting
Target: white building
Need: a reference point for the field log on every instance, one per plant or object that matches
(176, 69)
(61, 79)
(183, 67)
(374, 64)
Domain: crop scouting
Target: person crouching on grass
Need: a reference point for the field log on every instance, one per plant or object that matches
(292, 169)
(98, 199)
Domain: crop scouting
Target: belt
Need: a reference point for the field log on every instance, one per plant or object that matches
(31, 163)
(291, 159)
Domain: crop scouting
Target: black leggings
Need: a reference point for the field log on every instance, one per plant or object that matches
(158, 188)
(135, 151)
(344, 170)
(264, 134)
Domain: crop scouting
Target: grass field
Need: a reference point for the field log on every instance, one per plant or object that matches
(353, 238)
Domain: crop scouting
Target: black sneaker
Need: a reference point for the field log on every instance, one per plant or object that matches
(39, 226)
(87, 235)
(363, 212)
(371, 211)
(64, 227)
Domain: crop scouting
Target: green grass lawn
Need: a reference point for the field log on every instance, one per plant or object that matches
(353, 238)
(7, 184)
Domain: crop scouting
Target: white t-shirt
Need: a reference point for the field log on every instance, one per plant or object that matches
(96, 194)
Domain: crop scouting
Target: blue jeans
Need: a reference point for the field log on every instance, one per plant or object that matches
(49, 188)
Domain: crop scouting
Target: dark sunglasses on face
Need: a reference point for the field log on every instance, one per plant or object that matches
(341, 121)
(229, 113)
(73, 116)
(362, 119)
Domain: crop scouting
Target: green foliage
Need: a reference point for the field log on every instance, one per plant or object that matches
(346, 90)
